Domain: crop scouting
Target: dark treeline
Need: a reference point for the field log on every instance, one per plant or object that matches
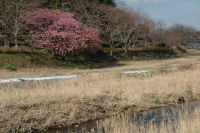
(119, 28)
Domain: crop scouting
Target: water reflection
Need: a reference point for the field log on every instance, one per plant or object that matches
(167, 115)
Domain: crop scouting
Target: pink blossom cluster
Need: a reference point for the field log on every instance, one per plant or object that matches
(59, 32)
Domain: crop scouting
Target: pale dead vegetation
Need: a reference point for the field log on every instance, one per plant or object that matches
(193, 51)
(38, 105)
(21, 49)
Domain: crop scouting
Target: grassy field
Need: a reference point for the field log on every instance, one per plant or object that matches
(29, 106)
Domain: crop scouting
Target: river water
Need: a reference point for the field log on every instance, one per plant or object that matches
(167, 115)
(21, 79)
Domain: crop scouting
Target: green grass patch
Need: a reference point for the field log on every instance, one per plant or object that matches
(157, 101)
(30, 59)
(9, 67)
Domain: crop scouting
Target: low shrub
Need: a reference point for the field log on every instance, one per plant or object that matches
(28, 58)
(181, 48)
(9, 67)
(157, 101)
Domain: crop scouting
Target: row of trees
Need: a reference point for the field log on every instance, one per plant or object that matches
(117, 28)
(179, 34)
(128, 28)
(10, 13)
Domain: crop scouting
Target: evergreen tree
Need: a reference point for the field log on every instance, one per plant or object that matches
(53, 4)
(109, 2)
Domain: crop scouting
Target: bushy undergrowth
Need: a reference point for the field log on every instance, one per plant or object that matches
(9, 67)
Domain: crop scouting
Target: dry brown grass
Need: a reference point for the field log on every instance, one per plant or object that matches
(142, 48)
(38, 105)
(7, 49)
(193, 51)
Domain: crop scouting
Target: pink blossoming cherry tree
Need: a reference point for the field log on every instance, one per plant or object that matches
(59, 32)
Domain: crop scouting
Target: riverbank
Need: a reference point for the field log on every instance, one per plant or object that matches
(122, 66)
(164, 119)
(29, 58)
(184, 119)
(40, 105)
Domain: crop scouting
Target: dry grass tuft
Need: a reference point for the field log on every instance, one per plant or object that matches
(188, 67)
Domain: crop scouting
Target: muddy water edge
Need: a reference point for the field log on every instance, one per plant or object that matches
(156, 116)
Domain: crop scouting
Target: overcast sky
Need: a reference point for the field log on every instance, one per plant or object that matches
(170, 11)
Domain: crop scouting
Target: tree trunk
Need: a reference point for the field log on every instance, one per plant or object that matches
(111, 50)
(16, 34)
(126, 49)
(145, 42)
(134, 43)
(53, 54)
(16, 42)
(6, 43)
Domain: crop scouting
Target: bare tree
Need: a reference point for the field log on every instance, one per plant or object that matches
(157, 34)
(111, 32)
(100, 16)
(133, 25)
(127, 28)
(117, 26)
(179, 34)
(10, 13)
